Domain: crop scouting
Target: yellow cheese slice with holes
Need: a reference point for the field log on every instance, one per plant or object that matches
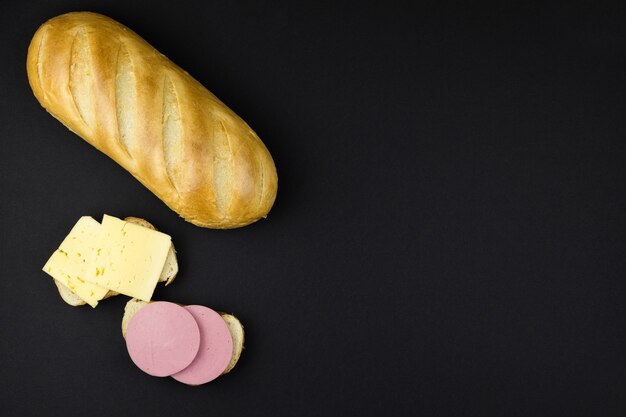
(72, 262)
(129, 258)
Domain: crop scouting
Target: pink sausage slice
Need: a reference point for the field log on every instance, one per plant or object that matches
(216, 348)
(162, 338)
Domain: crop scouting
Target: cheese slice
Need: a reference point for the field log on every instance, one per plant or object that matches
(71, 263)
(129, 258)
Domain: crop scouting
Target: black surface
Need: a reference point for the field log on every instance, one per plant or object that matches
(449, 233)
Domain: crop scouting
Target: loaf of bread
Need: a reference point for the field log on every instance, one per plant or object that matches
(109, 86)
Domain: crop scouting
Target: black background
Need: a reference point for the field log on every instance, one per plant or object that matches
(448, 237)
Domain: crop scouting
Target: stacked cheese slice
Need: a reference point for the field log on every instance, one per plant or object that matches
(113, 256)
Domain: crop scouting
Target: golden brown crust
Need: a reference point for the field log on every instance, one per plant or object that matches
(109, 86)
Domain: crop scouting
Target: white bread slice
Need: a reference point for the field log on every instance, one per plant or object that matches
(132, 306)
(236, 331)
(234, 325)
(68, 296)
(170, 269)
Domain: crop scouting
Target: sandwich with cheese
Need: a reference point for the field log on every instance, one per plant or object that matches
(96, 261)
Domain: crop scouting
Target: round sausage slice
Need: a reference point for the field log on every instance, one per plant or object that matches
(162, 338)
(216, 348)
